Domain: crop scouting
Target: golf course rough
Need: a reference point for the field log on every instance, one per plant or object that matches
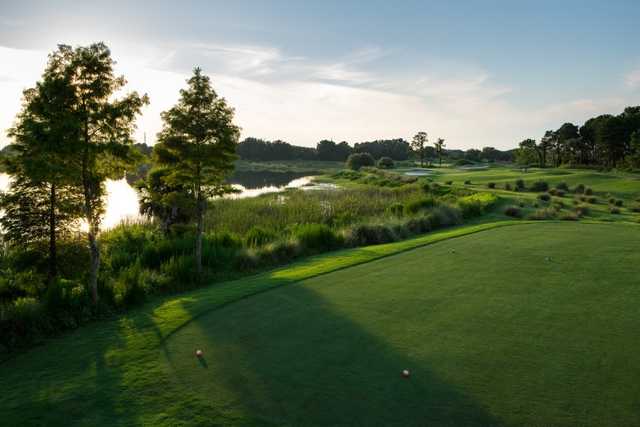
(532, 324)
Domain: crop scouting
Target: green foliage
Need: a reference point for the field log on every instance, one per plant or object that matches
(385, 163)
(543, 214)
(418, 145)
(358, 160)
(418, 205)
(491, 185)
(539, 186)
(476, 204)
(257, 236)
(545, 197)
(317, 237)
(513, 211)
(520, 186)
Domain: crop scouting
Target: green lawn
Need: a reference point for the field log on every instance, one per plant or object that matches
(531, 324)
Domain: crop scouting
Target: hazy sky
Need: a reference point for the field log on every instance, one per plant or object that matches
(476, 73)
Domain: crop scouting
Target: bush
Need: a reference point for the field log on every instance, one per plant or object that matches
(543, 214)
(129, 287)
(560, 193)
(635, 208)
(582, 210)
(491, 185)
(317, 237)
(463, 162)
(619, 203)
(416, 206)
(396, 209)
(614, 210)
(569, 216)
(545, 197)
(258, 236)
(513, 211)
(357, 160)
(476, 204)
(552, 191)
(588, 191)
(449, 182)
(369, 234)
(444, 216)
(520, 186)
(592, 200)
(562, 186)
(467, 182)
(539, 186)
(385, 163)
(579, 189)
(507, 186)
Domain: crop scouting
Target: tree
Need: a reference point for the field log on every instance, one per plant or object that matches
(358, 160)
(439, 146)
(563, 135)
(527, 153)
(44, 198)
(101, 127)
(634, 156)
(197, 144)
(420, 140)
(385, 163)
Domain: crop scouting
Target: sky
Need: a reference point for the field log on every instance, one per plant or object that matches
(476, 73)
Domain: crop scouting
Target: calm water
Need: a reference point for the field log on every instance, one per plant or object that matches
(122, 199)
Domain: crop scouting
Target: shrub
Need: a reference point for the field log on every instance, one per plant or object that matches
(635, 208)
(279, 252)
(545, 197)
(588, 191)
(396, 209)
(357, 160)
(180, 273)
(560, 193)
(416, 206)
(543, 214)
(449, 182)
(592, 200)
(539, 186)
(614, 210)
(513, 211)
(385, 163)
(507, 186)
(579, 189)
(476, 204)
(562, 186)
(258, 236)
(317, 237)
(463, 162)
(520, 186)
(552, 191)
(129, 287)
(467, 182)
(582, 210)
(444, 215)
(619, 203)
(369, 234)
(491, 185)
(569, 216)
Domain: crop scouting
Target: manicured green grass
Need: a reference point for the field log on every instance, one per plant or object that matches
(532, 324)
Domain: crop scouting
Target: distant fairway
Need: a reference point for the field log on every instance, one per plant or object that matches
(534, 324)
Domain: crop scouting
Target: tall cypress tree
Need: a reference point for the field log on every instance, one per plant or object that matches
(197, 146)
(43, 201)
(102, 128)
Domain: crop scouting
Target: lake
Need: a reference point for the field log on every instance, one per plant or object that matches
(122, 199)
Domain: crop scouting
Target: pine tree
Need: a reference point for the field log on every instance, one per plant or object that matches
(43, 201)
(197, 146)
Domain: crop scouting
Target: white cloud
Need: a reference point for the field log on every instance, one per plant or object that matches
(302, 101)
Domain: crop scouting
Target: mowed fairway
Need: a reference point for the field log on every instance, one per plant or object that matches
(533, 324)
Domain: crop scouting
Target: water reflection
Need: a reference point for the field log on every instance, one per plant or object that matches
(122, 200)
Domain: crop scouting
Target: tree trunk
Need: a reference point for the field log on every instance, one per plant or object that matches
(199, 232)
(53, 262)
(94, 250)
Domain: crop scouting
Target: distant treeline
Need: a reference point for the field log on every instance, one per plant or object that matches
(255, 149)
(605, 141)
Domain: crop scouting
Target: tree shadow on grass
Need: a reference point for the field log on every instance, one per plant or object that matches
(290, 357)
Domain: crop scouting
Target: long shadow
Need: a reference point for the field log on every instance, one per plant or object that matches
(289, 357)
(73, 388)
